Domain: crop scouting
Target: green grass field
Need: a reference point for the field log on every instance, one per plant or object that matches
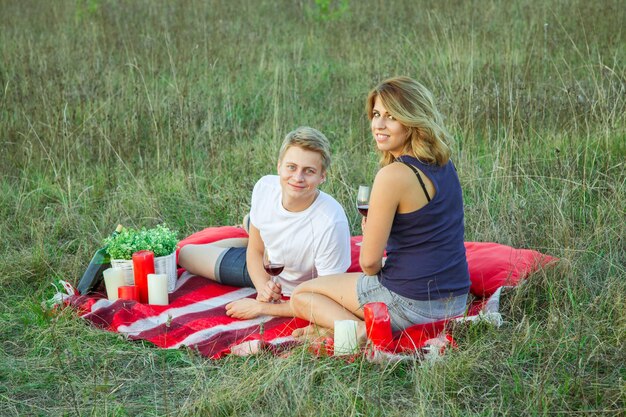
(144, 112)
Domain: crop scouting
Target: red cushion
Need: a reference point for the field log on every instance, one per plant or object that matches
(491, 265)
(212, 234)
(355, 251)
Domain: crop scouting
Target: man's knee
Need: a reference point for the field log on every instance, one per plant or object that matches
(188, 257)
(183, 255)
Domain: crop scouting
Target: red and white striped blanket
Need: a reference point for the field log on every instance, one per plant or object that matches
(196, 315)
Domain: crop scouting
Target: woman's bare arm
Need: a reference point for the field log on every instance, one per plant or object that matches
(384, 200)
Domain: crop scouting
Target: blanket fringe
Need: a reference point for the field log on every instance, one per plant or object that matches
(60, 297)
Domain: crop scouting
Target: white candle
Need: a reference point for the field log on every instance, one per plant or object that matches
(113, 279)
(157, 289)
(345, 337)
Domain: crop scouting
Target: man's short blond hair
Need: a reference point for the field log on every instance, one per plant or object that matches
(309, 139)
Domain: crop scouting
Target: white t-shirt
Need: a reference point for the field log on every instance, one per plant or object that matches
(316, 241)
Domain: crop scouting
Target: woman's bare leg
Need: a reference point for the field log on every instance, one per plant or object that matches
(326, 299)
(201, 259)
(312, 332)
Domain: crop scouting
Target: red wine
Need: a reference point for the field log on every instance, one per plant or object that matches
(363, 208)
(274, 269)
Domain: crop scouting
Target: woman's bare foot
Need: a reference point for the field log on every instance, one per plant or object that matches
(312, 332)
(361, 334)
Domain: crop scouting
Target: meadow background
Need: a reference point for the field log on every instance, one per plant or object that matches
(144, 112)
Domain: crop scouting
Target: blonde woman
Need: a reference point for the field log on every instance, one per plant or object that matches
(415, 213)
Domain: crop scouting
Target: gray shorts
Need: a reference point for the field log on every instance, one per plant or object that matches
(405, 312)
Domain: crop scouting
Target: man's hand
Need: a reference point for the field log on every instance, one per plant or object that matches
(271, 292)
(245, 308)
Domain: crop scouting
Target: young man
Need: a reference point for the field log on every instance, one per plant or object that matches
(289, 217)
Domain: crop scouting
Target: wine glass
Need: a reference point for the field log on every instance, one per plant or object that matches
(273, 264)
(363, 199)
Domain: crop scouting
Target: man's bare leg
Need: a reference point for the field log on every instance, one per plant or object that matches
(201, 259)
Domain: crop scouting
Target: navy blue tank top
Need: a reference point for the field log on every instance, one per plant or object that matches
(425, 250)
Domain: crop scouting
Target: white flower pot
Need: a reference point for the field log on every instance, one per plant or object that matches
(162, 265)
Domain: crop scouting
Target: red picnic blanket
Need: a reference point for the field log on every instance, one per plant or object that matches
(196, 316)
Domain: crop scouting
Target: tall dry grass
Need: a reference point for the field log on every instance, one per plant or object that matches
(147, 111)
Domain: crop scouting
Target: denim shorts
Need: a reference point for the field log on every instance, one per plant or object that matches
(405, 312)
(231, 268)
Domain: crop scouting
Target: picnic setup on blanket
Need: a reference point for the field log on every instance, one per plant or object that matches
(189, 311)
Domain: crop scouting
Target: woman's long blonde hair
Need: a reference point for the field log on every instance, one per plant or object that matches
(413, 105)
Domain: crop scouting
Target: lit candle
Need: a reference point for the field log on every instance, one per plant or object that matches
(113, 279)
(157, 289)
(378, 324)
(127, 292)
(143, 264)
(345, 337)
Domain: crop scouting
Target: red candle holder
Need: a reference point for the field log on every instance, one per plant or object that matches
(378, 325)
(127, 292)
(143, 264)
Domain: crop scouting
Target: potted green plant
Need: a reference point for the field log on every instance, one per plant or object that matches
(161, 240)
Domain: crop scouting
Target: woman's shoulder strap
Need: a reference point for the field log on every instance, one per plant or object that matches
(419, 177)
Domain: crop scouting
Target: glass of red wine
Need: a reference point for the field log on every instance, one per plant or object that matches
(273, 264)
(363, 199)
